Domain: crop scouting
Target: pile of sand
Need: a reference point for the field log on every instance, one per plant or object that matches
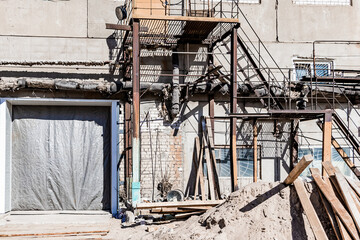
(257, 211)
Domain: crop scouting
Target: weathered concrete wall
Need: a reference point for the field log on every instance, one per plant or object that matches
(75, 30)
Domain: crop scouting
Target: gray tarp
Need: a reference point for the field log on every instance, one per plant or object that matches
(61, 158)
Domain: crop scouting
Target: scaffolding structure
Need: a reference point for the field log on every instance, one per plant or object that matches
(218, 26)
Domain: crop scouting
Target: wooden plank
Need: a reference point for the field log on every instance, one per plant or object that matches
(137, 15)
(298, 169)
(165, 210)
(186, 215)
(345, 190)
(331, 215)
(195, 203)
(344, 233)
(309, 210)
(330, 170)
(326, 146)
(210, 174)
(335, 203)
(197, 208)
(211, 145)
(200, 172)
(353, 185)
(356, 200)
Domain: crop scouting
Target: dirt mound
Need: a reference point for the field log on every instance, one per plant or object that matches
(257, 211)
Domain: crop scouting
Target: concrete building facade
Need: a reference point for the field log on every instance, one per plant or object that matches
(40, 31)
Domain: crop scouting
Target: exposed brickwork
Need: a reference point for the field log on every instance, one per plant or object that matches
(161, 152)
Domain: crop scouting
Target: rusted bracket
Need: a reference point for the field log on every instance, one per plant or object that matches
(124, 27)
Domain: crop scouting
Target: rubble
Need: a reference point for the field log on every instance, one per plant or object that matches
(257, 211)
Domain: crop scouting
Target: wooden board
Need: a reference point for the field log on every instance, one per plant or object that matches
(199, 172)
(326, 146)
(194, 203)
(330, 170)
(335, 203)
(353, 185)
(344, 233)
(309, 210)
(210, 173)
(148, 7)
(298, 169)
(350, 203)
(331, 215)
(211, 146)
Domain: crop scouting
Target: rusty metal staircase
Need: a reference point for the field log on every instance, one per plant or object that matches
(255, 72)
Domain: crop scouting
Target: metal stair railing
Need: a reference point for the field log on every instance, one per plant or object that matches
(255, 55)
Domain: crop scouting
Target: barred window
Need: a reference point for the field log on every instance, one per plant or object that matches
(245, 162)
(306, 69)
(322, 2)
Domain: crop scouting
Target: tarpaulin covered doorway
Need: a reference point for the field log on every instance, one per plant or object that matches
(60, 158)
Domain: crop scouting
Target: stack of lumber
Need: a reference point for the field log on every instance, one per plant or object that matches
(179, 209)
(340, 196)
(204, 151)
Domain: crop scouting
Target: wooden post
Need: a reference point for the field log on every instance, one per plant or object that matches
(210, 173)
(298, 169)
(199, 172)
(335, 203)
(233, 109)
(326, 146)
(309, 210)
(255, 151)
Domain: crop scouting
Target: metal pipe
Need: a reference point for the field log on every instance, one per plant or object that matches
(175, 100)
(136, 198)
(62, 63)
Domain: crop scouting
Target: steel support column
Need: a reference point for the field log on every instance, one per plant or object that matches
(233, 109)
(136, 115)
(127, 147)
(326, 146)
(255, 151)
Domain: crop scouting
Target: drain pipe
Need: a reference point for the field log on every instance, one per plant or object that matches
(175, 101)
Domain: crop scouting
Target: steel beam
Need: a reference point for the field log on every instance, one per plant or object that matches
(233, 110)
(326, 146)
(255, 151)
(127, 147)
(136, 198)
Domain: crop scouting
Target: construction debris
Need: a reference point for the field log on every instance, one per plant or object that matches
(256, 211)
(180, 209)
